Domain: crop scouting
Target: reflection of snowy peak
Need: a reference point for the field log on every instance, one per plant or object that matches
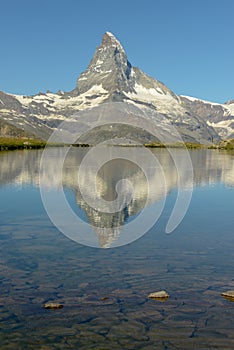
(22, 168)
(111, 78)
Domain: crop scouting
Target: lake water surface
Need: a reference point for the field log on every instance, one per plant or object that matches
(104, 291)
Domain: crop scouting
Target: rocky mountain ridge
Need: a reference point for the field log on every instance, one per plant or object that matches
(110, 78)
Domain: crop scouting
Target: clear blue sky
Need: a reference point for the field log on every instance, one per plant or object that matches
(186, 44)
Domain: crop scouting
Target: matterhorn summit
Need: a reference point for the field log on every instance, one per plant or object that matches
(109, 68)
(111, 78)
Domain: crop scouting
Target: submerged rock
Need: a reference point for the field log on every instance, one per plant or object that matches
(52, 305)
(229, 294)
(162, 294)
(104, 298)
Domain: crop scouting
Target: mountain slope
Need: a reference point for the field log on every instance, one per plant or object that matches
(111, 78)
(219, 116)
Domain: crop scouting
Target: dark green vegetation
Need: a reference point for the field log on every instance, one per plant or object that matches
(13, 143)
(226, 145)
(188, 145)
(80, 145)
(10, 143)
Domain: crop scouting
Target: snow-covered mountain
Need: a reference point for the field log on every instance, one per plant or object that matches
(111, 78)
(219, 116)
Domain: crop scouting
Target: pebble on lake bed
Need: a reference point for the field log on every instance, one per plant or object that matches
(162, 294)
(53, 306)
(228, 294)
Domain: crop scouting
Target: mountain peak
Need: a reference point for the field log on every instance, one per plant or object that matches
(109, 39)
(109, 67)
(111, 72)
(110, 35)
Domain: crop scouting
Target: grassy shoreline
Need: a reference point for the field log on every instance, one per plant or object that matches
(9, 143)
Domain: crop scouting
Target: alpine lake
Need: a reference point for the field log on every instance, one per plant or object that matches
(101, 284)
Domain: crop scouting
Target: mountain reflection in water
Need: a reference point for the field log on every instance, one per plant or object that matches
(22, 168)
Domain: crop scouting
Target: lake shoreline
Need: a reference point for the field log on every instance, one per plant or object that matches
(10, 144)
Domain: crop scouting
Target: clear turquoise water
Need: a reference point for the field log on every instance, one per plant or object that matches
(104, 291)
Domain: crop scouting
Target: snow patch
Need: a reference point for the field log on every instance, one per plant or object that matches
(53, 101)
(110, 34)
(99, 62)
(230, 108)
(24, 100)
(224, 125)
(193, 99)
(150, 94)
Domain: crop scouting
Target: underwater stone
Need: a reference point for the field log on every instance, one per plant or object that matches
(52, 305)
(228, 294)
(162, 294)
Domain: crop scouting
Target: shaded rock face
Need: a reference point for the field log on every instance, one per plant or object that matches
(9, 102)
(207, 111)
(111, 78)
(8, 130)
